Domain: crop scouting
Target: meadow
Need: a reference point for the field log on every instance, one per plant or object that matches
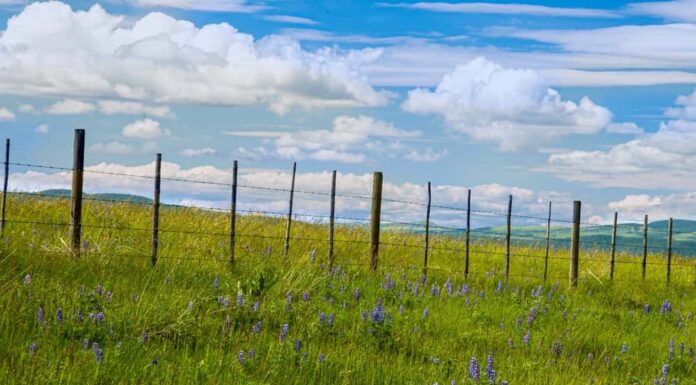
(108, 317)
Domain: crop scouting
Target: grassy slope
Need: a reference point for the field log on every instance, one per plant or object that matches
(193, 346)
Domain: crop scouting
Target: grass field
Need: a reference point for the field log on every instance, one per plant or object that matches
(194, 319)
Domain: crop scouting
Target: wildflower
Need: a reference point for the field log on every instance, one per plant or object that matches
(490, 372)
(474, 369)
(322, 357)
(322, 317)
(216, 282)
(499, 288)
(422, 279)
(99, 317)
(482, 294)
(144, 338)
(681, 348)
(624, 348)
(665, 370)
(378, 312)
(27, 280)
(666, 307)
(240, 357)
(356, 294)
(98, 289)
(433, 291)
(95, 346)
(256, 329)
(646, 308)
(363, 314)
(590, 356)
(240, 301)
(330, 320)
(312, 256)
(228, 323)
(448, 287)
(425, 313)
(526, 338)
(85, 344)
(256, 306)
(284, 332)
(251, 353)
(153, 362)
(305, 296)
(671, 348)
(298, 345)
(40, 315)
(59, 315)
(33, 346)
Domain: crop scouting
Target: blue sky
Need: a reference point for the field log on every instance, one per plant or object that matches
(561, 100)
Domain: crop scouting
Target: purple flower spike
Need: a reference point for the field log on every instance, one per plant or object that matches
(474, 371)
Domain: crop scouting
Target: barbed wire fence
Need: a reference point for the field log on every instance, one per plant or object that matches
(444, 233)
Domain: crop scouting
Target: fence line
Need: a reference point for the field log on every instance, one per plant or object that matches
(374, 221)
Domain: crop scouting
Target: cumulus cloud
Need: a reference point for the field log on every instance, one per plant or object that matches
(115, 107)
(70, 107)
(429, 155)
(6, 115)
(629, 128)
(663, 159)
(147, 129)
(191, 152)
(112, 148)
(158, 58)
(514, 108)
(634, 207)
(41, 129)
(347, 141)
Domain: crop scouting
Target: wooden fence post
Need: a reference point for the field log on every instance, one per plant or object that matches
(4, 188)
(155, 211)
(233, 212)
(332, 216)
(645, 245)
(507, 238)
(375, 214)
(575, 245)
(427, 232)
(669, 250)
(468, 233)
(612, 261)
(548, 244)
(76, 195)
(289, 222)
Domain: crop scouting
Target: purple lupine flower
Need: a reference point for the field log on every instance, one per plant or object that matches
(492, 375)
(467, 302)
(305, 296)
(499, 288)
(59, 315)
(666, 307)
(240, 357)
(482, 294)
(322, 318)
(423, 278)
(298, 345)
(681, 348)
(646, 308)
(322, 357)
(433, 290)
(671, 348)
(40, 315)
(85, 344)
(415, 290)
(251, 354)
(624, 348)
(503, 382)
(228, 324)
(664, 371)
(240, 301)
(378, 313)
(425, 313)
(356, 294)
(590, 356)
(330, 320)
(284, 332)
(490, 372)
(99, 317)
(474, 373)
(527, 338)
(95, 346)
(465, 289)
(363, 314)
(34, 346)
(256, 306)
(153, 362)
(216, 282)
(256, 329)
(532, 315)
(144, 338)
(448, 287)
(27, 281)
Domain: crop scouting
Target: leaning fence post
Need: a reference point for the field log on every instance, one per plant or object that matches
(612, 262)
(669, 250)
(575, 245)
(468, 232)
(645, 245)
(507, 238)
(76, 195)
(233, 212)
(375, 214)
(289, 222)
(155, 211)
(332, 218)
(427, 232)
(548, 244)
(4, 187)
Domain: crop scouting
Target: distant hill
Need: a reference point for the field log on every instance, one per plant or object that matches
(105, 196)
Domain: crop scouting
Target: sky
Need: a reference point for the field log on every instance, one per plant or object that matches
(545, 100)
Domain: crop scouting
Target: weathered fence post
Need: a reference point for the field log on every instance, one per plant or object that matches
(645, 245)
(507, 238)
(76, 195)
(575, 245)
(468, 232)
(669, 250)
(332, 216)
(427, 233)
(233, 212)
(155, 211)
(375, 214)
(548, 244)
(612, 261)
(289, 222)
(4, 188)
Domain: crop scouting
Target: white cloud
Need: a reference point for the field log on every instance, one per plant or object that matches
(6, 115)
(26, 108)
(346, 142)
(663, 159)
(160, 59)
(41, 129)
(113, 107)
(290, 19)
(145, 129)
(634, 207)
(628, 128)
(678, 10)
(112, 148)
(514, 108)
(70, 107)
(506, 9)
(190, 152)
(242, 6)
(427, 156)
